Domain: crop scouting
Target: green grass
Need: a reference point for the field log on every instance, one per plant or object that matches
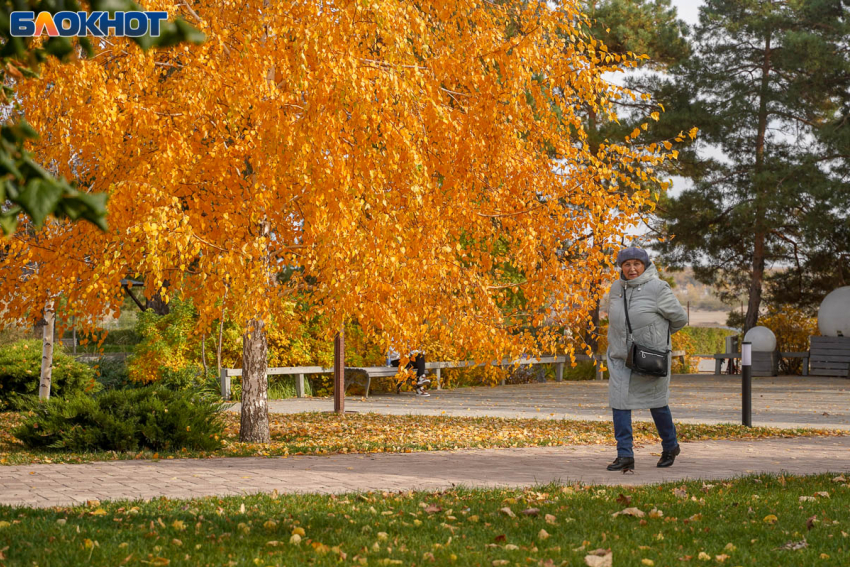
(747, 520)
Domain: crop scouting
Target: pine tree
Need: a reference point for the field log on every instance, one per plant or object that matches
(765, 83)
(651, 29)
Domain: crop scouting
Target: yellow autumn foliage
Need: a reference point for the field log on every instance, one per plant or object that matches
(396, 156)
(792, 328)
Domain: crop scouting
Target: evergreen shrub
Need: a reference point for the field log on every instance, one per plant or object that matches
(20, 371)
(148, 417)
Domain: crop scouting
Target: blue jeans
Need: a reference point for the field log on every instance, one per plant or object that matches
(623, 430)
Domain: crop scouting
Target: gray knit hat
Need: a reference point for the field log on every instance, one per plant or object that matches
(633, 254)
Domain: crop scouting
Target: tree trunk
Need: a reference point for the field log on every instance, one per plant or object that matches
(762, 193)
(255, 408)
(47, 352)
(592, 338)
(756, 280)
(204, 354)
(221, 333)
(159, 306)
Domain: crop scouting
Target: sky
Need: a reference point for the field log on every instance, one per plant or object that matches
(688, 10)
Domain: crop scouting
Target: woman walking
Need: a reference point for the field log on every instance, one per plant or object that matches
(653, 315)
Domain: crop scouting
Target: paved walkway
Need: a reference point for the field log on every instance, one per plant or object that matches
(53, 485)
(783, 401)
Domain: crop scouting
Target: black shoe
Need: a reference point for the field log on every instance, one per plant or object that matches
(667, 457)
(622, 464)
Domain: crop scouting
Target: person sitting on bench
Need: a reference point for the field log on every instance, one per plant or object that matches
(416, 360)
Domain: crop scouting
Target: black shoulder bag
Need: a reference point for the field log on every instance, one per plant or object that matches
(645, 360)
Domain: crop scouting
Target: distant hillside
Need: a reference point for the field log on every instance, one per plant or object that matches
(701, 296)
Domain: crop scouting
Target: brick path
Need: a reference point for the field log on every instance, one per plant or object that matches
(782, 401)
(52, 485)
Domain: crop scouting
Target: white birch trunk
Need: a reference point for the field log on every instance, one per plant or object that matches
(47, 352)
(254, 425)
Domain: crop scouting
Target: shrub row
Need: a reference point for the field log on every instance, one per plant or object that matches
(150, 417)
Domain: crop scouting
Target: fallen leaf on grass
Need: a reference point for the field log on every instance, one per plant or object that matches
(794, 545)
(822, 494)
(770, 519)
(599, 558)
(550, 519)
(839, 478)
(432, 509)
(649, 562)
(542, 534)
(810, 522)
(680, 492)
(703, 556)
(623, 499)
(499, 562)
(507, 512)
(721, 558)
(629, 512)
(531, 512)
(807, 499)
(500, 538)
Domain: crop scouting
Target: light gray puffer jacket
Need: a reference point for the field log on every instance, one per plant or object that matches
(652, 309)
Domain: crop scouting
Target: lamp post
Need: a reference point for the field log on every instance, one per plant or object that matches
(339, 372)
(747, 384)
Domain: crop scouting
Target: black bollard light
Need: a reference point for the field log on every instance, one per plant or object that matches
(747, 384)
